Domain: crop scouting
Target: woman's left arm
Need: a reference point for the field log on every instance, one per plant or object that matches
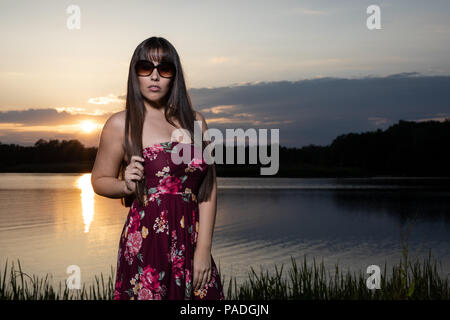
(207, 219)
(207, 212)
(207, 209)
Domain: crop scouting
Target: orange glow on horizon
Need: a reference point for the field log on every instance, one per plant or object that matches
(88, 126)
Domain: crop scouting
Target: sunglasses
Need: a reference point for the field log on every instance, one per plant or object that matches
(144, 68)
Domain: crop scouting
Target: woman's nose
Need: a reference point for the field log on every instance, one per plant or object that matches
(154, 74)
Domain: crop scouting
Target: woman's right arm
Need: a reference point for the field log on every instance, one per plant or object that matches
(104, 176)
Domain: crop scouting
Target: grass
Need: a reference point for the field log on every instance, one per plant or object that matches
(409, 280)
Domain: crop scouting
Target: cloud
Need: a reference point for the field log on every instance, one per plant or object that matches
(440, 119)
(378, 121)
(311, 111)
(25, 127)
(220, 109)
(404, 75)
(83, 111)
(315, 111)
(46, 117)
(111, 98)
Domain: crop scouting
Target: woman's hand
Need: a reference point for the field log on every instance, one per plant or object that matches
(202, 268)
(134, 171)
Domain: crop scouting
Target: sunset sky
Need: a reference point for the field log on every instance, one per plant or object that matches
(309, 68)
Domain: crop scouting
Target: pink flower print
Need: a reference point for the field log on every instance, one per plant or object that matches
(188, 276)
(172, 252)
(116, 295)
(145, 294)
(194, 234)
(116, 292)
(177, 265)
(176, 258)
(173, 239)
(154, 196)
(188, 285)
(152, 152)
(161, 223)
(133, 245)
(134, 222)
(169, 184)
(149, 278)
(196, 163)
(150, 284)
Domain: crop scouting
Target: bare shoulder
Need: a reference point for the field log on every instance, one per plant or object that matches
(115, 125)
(113, 132)
(200, 117)
(116, 120)
(110, 152)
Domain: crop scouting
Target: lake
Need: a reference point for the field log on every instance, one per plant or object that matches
(52, 221)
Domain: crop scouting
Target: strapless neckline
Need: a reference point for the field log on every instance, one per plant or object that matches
(164, 143)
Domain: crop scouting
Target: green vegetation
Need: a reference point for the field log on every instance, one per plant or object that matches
(416, 281)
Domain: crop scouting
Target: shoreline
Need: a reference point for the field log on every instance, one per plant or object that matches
(300, 171)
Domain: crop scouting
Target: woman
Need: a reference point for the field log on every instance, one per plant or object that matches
(165, 245)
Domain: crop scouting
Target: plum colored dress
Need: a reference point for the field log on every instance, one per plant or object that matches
(158, 240)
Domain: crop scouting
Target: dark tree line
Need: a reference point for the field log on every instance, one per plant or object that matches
(46, 152)
(405, 148)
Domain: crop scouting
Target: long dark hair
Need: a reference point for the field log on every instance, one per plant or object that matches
(177, 104)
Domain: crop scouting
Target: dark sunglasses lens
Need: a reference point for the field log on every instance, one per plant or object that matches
(166, 70)
(144, 68)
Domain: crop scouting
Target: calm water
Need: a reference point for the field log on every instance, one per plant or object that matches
(51, 221)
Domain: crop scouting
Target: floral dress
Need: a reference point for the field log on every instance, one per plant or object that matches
(158, 240)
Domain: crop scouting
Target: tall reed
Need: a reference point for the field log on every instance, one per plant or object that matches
(408, 280)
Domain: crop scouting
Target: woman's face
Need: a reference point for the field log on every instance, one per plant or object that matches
(147, 84)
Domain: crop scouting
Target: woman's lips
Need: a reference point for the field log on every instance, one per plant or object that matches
(154, 88)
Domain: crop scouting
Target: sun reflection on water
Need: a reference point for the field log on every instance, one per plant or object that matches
(87, 199)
